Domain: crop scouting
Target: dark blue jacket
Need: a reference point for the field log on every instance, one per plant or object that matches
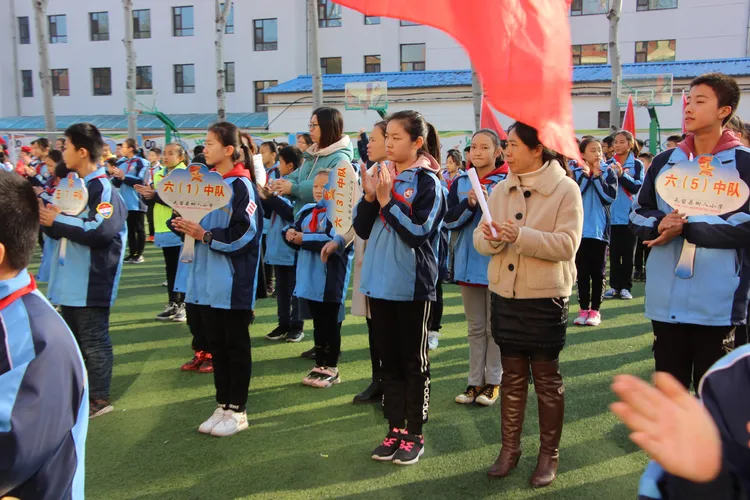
(43, 398)
(597, 195)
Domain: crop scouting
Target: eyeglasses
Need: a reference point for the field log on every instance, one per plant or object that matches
(311, 126)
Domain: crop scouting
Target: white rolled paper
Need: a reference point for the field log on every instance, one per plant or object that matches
(477, 187)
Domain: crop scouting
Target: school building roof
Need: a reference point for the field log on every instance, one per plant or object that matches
(199, 121)
(460, 78)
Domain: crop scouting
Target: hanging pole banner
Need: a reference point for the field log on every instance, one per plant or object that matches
(193, 193)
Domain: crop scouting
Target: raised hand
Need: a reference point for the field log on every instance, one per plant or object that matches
(384, 187)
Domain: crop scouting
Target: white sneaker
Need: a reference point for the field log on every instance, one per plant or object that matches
(432, 340)
(207, 426)
(232, 423)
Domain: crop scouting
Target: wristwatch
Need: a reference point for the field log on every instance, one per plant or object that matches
(207, 237)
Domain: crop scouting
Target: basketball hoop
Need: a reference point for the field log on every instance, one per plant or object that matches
(366, 95)
(144, 101)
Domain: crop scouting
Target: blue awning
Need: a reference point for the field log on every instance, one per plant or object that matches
(195, 121)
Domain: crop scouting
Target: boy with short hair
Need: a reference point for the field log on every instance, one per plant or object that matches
(131, 171)
(673, 141)
(43, 419)
(646, 158)
(695, 318)
(608, 147)
(85, 284)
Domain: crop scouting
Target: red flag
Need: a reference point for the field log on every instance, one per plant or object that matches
(628, 123)
(684, 105)
(489, 120)
(520, 49)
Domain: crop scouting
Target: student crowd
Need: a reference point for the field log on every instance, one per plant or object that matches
(416, 227)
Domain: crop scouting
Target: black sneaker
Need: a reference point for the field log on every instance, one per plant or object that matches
(99, 407)
(295, 336)
(388, 447)
(278, 333)
(410, 449)
(168, 313)
(309, 354)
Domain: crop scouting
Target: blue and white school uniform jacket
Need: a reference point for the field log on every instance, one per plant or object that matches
(315, 280)
(90, 273)
(627, 187)
(135, 174)
(597, 195)
(401, 262)
(224, 273)
(280, 212)
(44, 398)
(717, 293)
(272, 174)
(469, 266)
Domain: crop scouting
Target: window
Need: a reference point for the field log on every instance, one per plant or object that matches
(656, 4)
(60, 82)
(588, 7)
(143, 77)
(184, 78)
(28, 83)
(102, 81)
(229, 29)
(594, 53)
(99, 26)
(413, 57)
(372, 64)
(370, 20)
(409, 23)
(24, 36)
(260, 98)
(266, 37)
(229, 76)
(330, 65)
(655, 51)
(603, 119)
(329, 14)
(142, 23)
(182, 21)
(58, 30)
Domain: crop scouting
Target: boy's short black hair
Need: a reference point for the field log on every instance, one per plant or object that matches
(609, 140)
(641, 143)
(111, 161)
(198, 150)
(155, 150)
(646, 154)
(291, 155)
(55, 156)
(726, 89)
(19, 219)
(674, 138)
(88, 137)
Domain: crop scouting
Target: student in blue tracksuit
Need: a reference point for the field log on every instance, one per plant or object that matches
(695, 318)
(44, 411)
(131, 171)
(400, 216)
(85, 282)
(280, 213)
(269, 153)
(470, 267)
(223, 277)
(598, 184)
(630, 172)
(321, 284)
(699, 448)
(61, 172)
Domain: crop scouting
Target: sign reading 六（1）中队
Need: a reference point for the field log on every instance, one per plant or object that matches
(72, 197)
(701, 186)
(193, 193)
(342, 196)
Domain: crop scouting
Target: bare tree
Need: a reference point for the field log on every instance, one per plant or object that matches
(476, 91)
(130, 63)
(615, 8)
(45, 75)
(313, 60)
(221, 24)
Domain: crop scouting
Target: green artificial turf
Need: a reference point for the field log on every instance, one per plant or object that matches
(312, 443)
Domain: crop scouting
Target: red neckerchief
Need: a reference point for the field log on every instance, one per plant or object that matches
(314, 221)
(502, 169)
(238, 170)
(18, 294)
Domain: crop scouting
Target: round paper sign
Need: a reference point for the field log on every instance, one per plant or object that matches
(341, 197)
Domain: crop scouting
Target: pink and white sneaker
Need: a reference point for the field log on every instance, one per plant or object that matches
(315, 374)
(594, 319)
(583, 317)
(326, 378)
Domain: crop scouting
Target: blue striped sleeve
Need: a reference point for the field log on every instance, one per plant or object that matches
(245, 222)
(646, 216)
(605, 186)
(714, 231)
(416, 225)
(633, 182)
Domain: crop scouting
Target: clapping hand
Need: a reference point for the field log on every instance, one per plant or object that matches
(384, 187)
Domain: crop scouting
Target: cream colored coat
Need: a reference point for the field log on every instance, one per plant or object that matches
(541, 262)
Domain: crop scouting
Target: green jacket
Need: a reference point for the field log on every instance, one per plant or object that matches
(316, 160)
(162, 213)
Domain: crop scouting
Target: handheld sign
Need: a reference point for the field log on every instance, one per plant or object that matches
(700, 186)
(193, 193)
(341, 197)
(477, 187)
(72, 197)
